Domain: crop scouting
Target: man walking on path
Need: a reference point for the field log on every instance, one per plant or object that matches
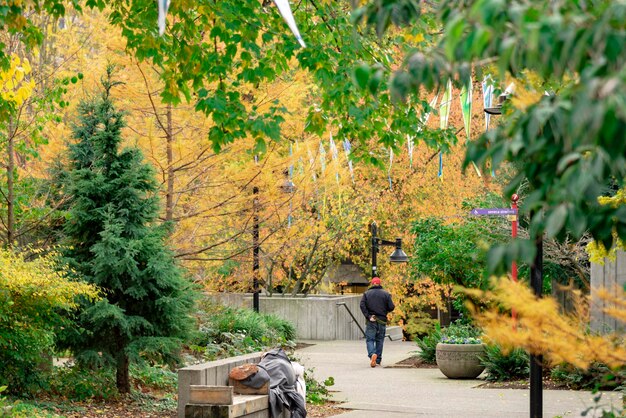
(376, 303)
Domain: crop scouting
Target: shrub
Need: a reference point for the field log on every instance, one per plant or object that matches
(77, 383)
(225, 332)
(285, 329)
(597, 377)
(500, 366)
(428, 345)
(155, 377)
(33, 297)
(418, 324)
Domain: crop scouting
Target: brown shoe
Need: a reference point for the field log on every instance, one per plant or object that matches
(373, 360)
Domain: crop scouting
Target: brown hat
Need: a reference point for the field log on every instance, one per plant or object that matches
(375, 281)
(243, 372)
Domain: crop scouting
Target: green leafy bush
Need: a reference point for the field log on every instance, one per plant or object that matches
(34, 295)
(451, 253)
(77, 383)
(499, 367)
(417, 324)
(226, 332)
(155, 377)
(428, 345)
(597, 377)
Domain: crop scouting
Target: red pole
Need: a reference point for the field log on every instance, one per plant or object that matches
(514, 200)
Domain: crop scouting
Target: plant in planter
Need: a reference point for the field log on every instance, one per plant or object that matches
(458, 352)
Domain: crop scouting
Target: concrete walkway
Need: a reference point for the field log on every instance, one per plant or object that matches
(410, 392)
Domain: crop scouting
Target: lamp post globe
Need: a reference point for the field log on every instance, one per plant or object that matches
(398, 256)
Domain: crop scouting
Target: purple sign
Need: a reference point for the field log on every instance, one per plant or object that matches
(493, 212)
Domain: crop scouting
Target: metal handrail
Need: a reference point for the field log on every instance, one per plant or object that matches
(356, 322)
(353, 318)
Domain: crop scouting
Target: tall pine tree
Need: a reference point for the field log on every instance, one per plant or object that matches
(115, 242)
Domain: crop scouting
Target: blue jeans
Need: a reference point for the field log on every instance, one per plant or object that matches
(374, 339)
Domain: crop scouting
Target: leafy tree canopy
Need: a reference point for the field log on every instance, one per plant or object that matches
(216, 54)
(569, 142)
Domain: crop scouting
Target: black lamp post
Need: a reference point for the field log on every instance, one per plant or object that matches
(398, 256)
(287, 187)
(536, 361)
(536, 283)
(255, 249)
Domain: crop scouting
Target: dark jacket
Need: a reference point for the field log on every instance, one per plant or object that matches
(377, 301)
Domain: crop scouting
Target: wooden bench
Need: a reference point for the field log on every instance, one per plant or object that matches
(215, 373)
(211, 373)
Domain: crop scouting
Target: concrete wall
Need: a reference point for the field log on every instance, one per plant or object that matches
(315, 317)
(612, 277)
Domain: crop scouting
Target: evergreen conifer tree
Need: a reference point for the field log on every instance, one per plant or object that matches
(115, 242)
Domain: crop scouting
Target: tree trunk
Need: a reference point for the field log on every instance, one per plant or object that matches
(169, 197)
(10, 186)
(122, 376)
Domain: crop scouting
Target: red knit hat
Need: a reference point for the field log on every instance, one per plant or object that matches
(375, 281)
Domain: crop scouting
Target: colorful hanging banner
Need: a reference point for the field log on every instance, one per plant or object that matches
(347, 147)
(487, 88)
(410, 144)
(335, 156)
(389, 171)
(311, 163)
(290, 161)
(432, 105)
(444, 114)
(285, 12)
(322, 157)
(410, 140)
(300, 160)
(466, 108)
(164, 5)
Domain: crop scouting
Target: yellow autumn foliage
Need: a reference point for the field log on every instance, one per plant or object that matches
(541, 328)
(14, 86)
(39, 283)
(596, 250)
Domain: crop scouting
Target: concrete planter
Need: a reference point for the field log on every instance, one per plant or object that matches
(460, 361)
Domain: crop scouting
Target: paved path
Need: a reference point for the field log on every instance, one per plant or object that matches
(401, 393)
